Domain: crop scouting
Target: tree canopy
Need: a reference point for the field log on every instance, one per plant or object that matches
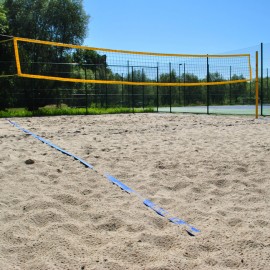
(62, 21)
(3, 19)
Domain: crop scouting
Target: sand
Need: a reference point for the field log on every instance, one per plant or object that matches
(211, 171)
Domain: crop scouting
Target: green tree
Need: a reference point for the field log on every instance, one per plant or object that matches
(217, 92)
(55, 20)
(5, 65)
(3, 19)
(239, 92)
(62, 21)
(166, 92)
(191, 94)
(69, 26)
(91, 59)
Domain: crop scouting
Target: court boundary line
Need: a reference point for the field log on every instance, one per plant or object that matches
(192, 231)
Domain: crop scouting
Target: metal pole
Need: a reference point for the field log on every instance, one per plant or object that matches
(95, 90)
(267, 85)
(143, 86)
(122, 94)
(106, 90)
(132, 88)
(170, 68)
(128, 95)
(230, 85)
(179, 88)
(157, 88)
(32, 90)
(184, 84)
(86, 92)
(257, 86)
(250, 83)
(207, 87)
(261, 78)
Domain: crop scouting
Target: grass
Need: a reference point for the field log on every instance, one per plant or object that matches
(16, 112)
(64, 110)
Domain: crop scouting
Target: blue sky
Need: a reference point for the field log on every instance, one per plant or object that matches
(178, 26)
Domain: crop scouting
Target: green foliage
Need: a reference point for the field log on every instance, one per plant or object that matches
(55, 20)
(68, 21)
(3, 20)
(238, 90)
(19, 112)
(53, 111)
(90, 58)
(62, 21)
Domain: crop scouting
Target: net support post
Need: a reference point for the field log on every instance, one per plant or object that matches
(17, 57)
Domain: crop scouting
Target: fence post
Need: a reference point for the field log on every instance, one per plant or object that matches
(267, 86)
(122, 94)
(257, 86)
(261, 78)
(207, 87)
(128, 87)
(86, 91)
(157, 88)
(132, 88)
(143, 86)
(230, 85)
(32, 106)
(95, 90)
(106, 90)
(179, 88)
(184, 88)
(170, 66)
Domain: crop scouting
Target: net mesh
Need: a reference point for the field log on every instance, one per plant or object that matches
(7, 61)
(80, 64)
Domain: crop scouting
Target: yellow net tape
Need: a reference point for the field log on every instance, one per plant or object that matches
(51, 61)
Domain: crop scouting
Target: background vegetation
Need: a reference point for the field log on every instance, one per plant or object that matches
(66, 21)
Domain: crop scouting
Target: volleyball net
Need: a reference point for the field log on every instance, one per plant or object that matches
(46, 60)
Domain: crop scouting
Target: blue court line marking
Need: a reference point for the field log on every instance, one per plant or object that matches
(160, 211)
(119, 183)
(52, 145)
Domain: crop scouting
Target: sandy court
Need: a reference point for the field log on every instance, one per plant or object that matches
(211, 171)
